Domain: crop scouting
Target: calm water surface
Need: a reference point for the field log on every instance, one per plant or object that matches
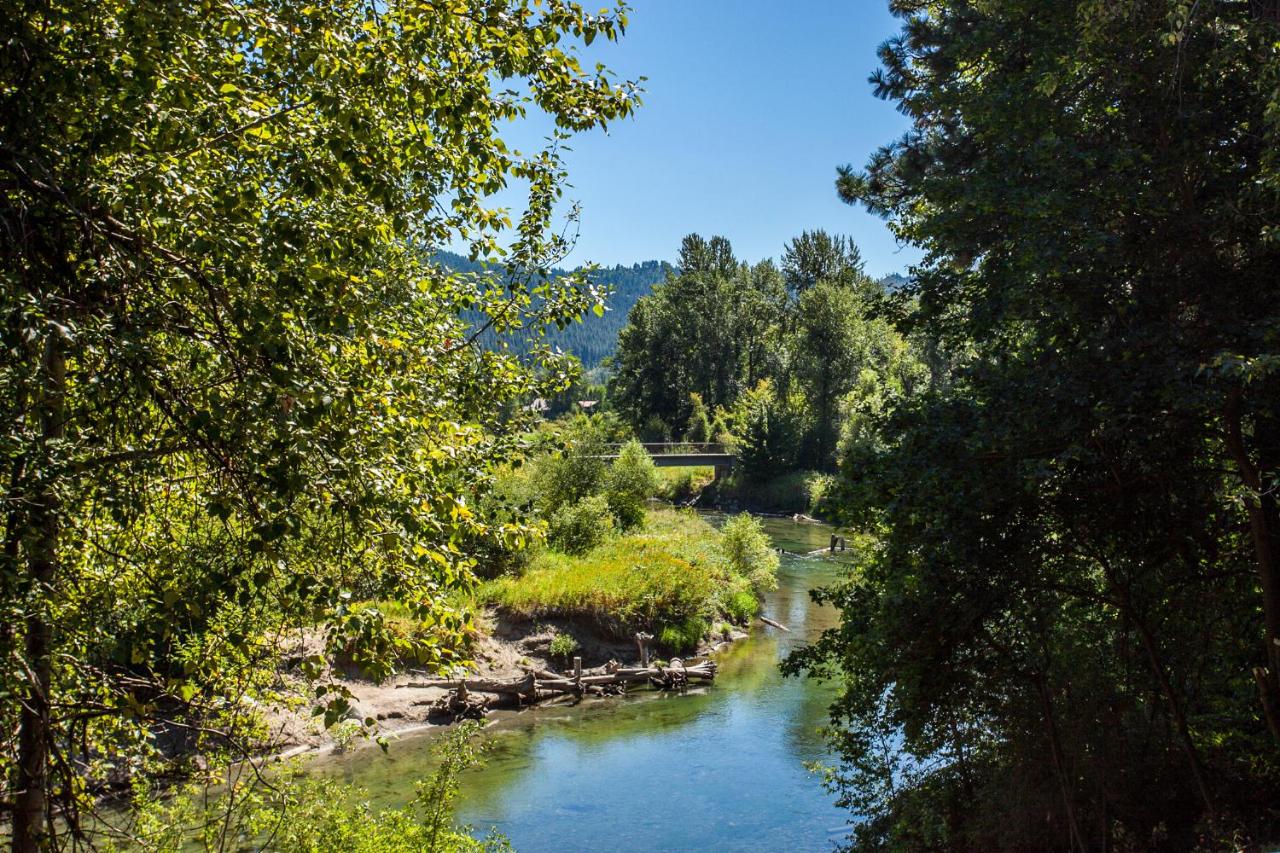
(716, 768)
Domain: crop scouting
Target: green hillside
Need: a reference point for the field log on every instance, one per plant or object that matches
(594, 338)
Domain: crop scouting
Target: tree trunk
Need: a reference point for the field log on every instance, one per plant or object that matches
(1059, 763)
(1198, 774)
(1155, 662)
(31, 809)
(1264, 527)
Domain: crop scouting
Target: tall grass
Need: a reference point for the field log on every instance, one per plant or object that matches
(671, 579)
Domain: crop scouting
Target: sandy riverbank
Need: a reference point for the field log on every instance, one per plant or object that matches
(400, 705)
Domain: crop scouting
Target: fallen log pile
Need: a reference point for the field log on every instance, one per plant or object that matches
(537, 685)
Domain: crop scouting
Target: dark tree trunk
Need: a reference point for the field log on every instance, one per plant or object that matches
(31, 826)
(1264, 528)
(1059, 763)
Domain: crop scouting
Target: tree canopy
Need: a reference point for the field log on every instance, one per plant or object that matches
(1070, 622)
(775, 352)
(235, 387)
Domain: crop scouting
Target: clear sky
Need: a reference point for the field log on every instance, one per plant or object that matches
(750, 106)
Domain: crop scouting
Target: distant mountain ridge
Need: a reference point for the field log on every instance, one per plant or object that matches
(894, 281)
(595, 338)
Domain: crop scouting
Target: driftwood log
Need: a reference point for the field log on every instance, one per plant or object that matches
(766, 620)
(538, 684)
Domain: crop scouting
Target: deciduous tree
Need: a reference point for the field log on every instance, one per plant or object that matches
(234, 387)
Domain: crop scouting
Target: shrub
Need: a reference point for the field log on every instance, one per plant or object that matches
(636, 582)
(738, 600)
(682, 636)
(629, 484)
(575, 473)
(579, 527)
(748, 552)
(818, 487)
(322, 814)
(344, 734)
(562, 647)
(671, 580)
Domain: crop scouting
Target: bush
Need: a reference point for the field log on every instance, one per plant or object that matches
(318, 814)
(819, 487)
(637, 582)
(671, 580)
(747, 550)
(629, 484)
(344, 734)
(577, 528)
(575, 473)
(562, 647)
(738, 600)
(682, 636)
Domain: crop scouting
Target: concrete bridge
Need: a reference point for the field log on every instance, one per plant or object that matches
(685, 455)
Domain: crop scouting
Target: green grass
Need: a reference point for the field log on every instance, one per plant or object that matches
(669, 579)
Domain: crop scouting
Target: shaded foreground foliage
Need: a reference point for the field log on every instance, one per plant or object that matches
(1071, 625)
(235, 389)
(299, 812)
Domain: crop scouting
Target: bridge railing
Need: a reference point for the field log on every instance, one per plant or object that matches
(656, 448)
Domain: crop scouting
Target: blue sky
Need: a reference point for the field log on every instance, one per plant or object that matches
(750, 106)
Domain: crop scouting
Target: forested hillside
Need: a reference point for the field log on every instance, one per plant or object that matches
(596, 337)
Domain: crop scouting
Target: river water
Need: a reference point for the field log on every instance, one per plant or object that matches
(717, 768)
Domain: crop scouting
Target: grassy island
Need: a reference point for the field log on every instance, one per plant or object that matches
(675, 578)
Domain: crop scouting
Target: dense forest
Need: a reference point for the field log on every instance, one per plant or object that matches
(774, 358)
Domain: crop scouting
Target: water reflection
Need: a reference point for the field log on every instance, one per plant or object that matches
(717, 768)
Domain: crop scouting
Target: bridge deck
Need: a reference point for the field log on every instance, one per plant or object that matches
(687, 460)
(672, 455)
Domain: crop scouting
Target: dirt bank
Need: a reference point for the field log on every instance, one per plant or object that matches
(400, 705)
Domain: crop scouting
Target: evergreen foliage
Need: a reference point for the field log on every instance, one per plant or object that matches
(591, 338)
(1068, 635)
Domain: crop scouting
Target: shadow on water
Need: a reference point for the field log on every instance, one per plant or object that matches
(721, 767)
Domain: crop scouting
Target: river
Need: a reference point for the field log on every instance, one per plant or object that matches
(717, 768)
